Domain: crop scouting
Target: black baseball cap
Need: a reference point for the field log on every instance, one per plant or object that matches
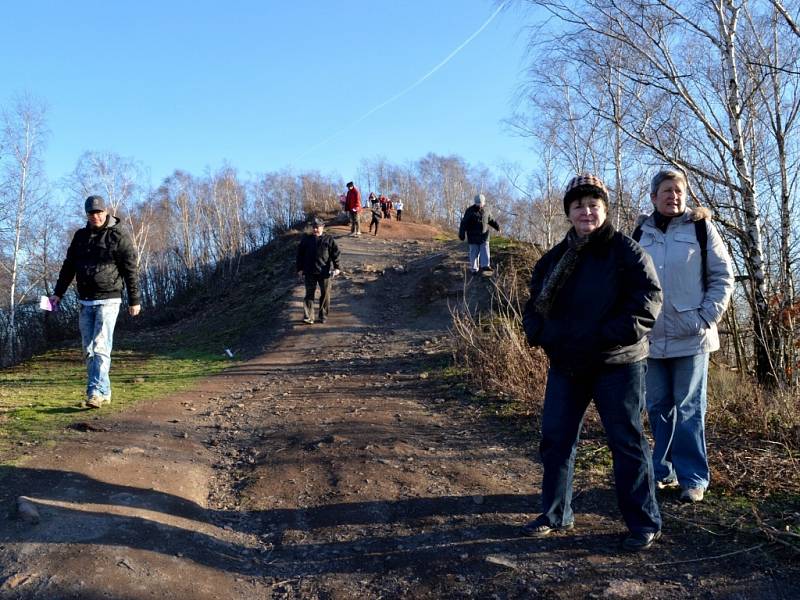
(94, 204)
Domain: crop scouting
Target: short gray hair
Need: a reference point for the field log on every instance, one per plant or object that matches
(663, 175)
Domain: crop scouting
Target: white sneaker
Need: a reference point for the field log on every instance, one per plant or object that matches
(95, 401)
(692, 495)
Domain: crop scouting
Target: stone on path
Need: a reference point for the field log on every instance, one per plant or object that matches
(27, 511)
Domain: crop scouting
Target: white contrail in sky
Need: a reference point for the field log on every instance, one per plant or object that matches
(402, 93)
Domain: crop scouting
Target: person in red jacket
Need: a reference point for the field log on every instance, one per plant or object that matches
(352, 205)
(384, 205)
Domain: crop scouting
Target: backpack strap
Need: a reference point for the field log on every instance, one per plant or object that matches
(637, 233)
(701, 233)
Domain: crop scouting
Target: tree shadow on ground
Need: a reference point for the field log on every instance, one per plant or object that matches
(433, 534)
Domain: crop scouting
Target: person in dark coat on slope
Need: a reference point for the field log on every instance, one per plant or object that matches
(317, 263)
(474, 228)
(375, 210)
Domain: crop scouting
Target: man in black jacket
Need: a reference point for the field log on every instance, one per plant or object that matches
(318, 263)
(102, 258)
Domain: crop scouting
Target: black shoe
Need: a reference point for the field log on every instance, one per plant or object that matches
(636, 542)
(540, 527)
(322, 318)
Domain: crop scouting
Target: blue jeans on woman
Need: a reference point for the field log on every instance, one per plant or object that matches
(618, 394)
(96, 323)
(676, 407)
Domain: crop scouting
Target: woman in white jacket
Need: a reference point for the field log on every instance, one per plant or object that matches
(696, 290)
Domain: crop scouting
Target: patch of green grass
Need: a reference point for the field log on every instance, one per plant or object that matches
(454, 372)
(46, 393)
(593, 457)
(501, 244)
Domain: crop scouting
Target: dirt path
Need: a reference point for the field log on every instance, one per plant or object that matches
(334, 466)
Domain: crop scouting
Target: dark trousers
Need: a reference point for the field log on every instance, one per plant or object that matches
(618, 394)
(399, 214)
(354, 225)
(324, 283)
(375, 221)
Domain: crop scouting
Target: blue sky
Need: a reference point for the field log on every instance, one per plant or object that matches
(190, 85)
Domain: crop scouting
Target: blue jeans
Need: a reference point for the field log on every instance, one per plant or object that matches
(478, 255)
(676, 406)
(618, 394)
(97, 336)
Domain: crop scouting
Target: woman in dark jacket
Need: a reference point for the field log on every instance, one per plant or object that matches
(593, 299)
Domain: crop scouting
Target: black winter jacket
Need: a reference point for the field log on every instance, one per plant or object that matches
(475, 225)
(316, 255)
(605, 308)
(101, 260)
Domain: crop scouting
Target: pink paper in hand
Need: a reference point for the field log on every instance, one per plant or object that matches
(44, 303)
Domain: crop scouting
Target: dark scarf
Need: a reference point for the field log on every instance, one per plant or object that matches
(661, 221)
(567, 263)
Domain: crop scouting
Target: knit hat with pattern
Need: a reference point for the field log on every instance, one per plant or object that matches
(584, 184)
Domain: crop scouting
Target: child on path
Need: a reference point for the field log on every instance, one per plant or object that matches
(375, 209)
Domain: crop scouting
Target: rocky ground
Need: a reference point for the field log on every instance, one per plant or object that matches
(338, 464)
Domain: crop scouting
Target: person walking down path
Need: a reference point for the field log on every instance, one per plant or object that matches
(102, 259)
(375, 211)
(353, 207)
(317, 264)
(475, 228)
(398, 207)
(593, 299)
(696, 274)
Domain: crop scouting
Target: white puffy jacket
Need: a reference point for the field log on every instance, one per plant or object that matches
(688, 321)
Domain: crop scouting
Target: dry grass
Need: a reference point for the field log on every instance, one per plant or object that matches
(739, 406)
(753, 436)
(490, 343)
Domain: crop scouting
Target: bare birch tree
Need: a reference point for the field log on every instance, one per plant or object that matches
(681, 68)
(23, 137)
